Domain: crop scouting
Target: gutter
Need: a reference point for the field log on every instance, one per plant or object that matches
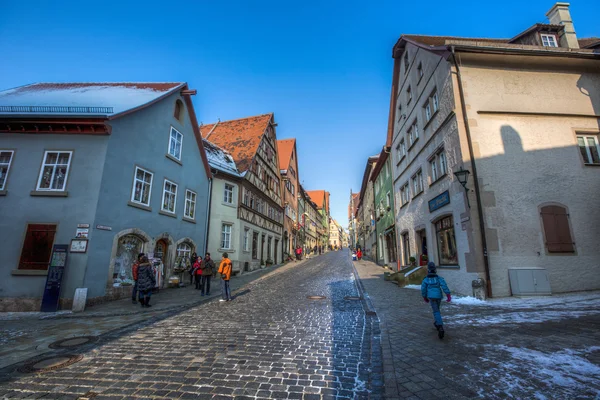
(475, 177)
(207, 225)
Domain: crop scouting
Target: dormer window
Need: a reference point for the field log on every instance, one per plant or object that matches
(178, 114)
(549, 40)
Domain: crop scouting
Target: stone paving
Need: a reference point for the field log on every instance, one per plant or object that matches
(270, 342)
(519, 349)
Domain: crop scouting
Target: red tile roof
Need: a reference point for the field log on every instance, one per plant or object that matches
(319, 197)
(589, 42)
(285, 147)
(240, 137)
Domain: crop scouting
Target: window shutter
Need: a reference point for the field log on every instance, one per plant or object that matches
(556, 228)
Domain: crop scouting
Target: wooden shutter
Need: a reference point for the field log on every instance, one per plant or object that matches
(37, 247)
(556, 229)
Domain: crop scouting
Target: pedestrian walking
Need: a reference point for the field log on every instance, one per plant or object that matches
(298, 253)
(146, 281)
(193, 259)
(134, 274)
(198, 272)
(208, 270)
(431, 290)
(225, 271)
(359, 254)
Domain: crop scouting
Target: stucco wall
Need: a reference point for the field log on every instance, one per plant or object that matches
(528, 161)
(221, 213)
(18, 207)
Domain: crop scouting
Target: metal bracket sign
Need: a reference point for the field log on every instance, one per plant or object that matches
(439, 201)
(58, 262)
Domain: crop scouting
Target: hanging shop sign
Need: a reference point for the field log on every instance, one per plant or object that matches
(439, 201)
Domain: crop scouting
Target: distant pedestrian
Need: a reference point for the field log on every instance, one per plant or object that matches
(359, 254)
(134, 275)
(431, 290)
(198, 272)
(208, 270)
(193, 259)
(146, 281)
(298, 253)
(225, 271)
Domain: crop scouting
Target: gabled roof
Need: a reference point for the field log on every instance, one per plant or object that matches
(589, 43)
(108, 99)
(285, 147)
(241, 137)
(537, 28)
(220, 159)
(319, 197)
(441, 40)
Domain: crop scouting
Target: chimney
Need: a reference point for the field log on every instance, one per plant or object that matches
(559, 15)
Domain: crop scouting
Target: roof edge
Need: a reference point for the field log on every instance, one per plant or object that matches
(140, 107)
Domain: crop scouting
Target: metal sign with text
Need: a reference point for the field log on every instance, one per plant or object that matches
(56, 269)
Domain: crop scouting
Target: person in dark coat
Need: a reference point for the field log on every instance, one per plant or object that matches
(193, 259)
(146, 281)
(198, 272)
(208, 270)
(134, 274)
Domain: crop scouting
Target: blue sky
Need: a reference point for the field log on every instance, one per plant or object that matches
(323, 67)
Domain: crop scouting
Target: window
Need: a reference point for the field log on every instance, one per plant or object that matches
(406, 62)
(5, 161)
(401, 149)
(420, 71)
(292, 172)
(246, 239)
(255, 245)
(184, 250)
(427, 110)
(588, 146)
(228, 194)
(37, 246)
(178, 114)
(175, 141)
(434, 101)
(557, 231)
(404, 194)
(446, 243)
(405, 248)
(246, 199)
(226, 236)
(417, 183)
(437, 166)
(142, 187)
(55, 170)
(549, 41)
(190, 204)
(169, 196)
(408, 96)
(388, 199)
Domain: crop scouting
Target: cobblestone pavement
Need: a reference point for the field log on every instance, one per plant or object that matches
(513, 348)
(270, 342)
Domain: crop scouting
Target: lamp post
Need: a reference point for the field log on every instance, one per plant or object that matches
(463, 176)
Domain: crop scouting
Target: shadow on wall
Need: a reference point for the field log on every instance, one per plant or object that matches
(589, 87)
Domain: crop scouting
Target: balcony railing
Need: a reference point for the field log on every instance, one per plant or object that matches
(56, 109)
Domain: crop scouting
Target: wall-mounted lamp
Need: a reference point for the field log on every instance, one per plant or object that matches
(463, 176)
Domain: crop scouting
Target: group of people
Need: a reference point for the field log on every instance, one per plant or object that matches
(202, 271)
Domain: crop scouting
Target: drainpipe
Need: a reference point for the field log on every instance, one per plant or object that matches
(475, 177)
(207, 225)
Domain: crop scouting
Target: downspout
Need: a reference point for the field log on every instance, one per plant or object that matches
(475, 178)
(206, 232)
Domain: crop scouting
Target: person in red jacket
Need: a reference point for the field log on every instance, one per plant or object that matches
(198, 272)
(134, 274)
(359, 254)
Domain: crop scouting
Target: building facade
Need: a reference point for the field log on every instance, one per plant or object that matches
(109, 169)
(321, 199)
(352, 219)
(309, 221)
(384, 210)
(252, 142)
(501, 115)
(367, 236)
(336, 237)
(288, 167)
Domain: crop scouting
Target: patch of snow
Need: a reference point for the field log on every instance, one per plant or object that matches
(418, 287)
(220, 158)
(411, 271)
(468, 301)
(516, 317)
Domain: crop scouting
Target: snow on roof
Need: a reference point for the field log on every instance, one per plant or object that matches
(220, 159)
(77, 99)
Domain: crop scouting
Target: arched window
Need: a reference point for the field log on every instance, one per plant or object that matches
(557, 230)
(178, 114)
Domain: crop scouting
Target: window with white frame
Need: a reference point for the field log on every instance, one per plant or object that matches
(420, 71)
(408, 95)
(175, 142)
(404, 194)
(55, 170)
(549, 40)
(5, 161)
(437, 165)
(589, 148)
(246, 239)
(169, 199)
(190, 204)
(401, 149)
(142, 186)
(184, 250)
(415, 131)
(226, 236)
(417, 183)
(434, 101)
(427, 108)
(228, 194)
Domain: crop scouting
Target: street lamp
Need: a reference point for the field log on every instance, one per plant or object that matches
(463, 176)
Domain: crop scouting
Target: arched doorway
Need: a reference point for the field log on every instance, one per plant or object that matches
(128, 248)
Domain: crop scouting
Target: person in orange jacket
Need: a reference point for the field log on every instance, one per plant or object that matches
(225, 271)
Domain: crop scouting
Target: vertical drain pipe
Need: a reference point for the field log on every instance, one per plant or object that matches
(475, 178)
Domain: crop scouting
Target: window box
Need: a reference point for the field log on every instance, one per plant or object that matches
(46, 193)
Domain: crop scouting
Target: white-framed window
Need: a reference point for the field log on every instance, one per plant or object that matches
(437, 165)
(142, 186)
(228, 194)
(420, 71)
(184, 250)
(427, 110)
(55, 171)
(190, 204)
(246, 239)
(433, 167)
(5, 161)
(404, 194)
(415, 131)
(549, 40)
(417, 183)
(589, 148)
(408, 95)
(401, 149)
(226, 236)
(175, 143)
(434, 101)
(169, 200)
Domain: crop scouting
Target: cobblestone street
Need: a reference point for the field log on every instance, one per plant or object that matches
(270, 342)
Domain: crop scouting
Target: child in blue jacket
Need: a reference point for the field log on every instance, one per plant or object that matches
(431, 290)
